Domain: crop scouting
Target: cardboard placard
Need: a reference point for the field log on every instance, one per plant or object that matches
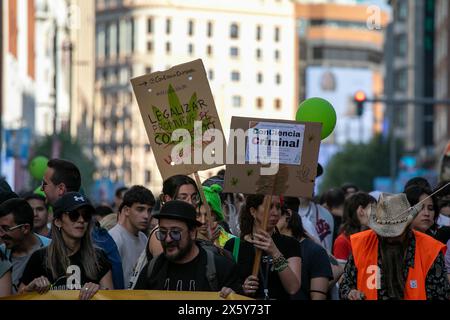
(298, 146)
(174, 99)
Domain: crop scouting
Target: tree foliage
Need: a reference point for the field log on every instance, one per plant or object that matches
(358, 164)
(71, 150)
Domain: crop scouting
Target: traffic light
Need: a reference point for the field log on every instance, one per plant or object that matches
(359, 98)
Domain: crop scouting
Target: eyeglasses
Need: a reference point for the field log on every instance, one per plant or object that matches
(194, 198)
(6, 229)
(44, 183)
(175, 235)
(75, 215)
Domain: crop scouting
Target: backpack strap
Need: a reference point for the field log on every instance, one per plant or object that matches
(211, 271)
(140, 264)
(237, 242)
(151, 265)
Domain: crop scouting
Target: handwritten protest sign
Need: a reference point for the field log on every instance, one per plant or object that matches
(293, 145)
(180, 98)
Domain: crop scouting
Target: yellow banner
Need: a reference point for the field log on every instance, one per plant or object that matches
(127, 295)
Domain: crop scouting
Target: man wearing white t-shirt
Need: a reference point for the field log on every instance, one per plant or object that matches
(319, 218)
(134, 212)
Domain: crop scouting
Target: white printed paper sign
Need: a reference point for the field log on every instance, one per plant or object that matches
(275, 143)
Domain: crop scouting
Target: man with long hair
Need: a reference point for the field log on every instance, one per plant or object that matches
(392, 261)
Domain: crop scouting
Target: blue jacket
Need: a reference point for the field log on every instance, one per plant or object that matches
(103, 240)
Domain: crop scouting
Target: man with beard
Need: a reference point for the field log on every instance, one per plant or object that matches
(393, 262)
(183, 264)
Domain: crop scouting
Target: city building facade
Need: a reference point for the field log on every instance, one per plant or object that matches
(442, 73)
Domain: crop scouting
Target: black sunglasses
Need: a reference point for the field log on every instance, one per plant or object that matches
(75, 215)
(175, 235)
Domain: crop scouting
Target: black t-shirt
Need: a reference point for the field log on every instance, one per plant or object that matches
(288, 246)
(76, 276)
(337, 225)
(190, 276)
(315, 264)
(443, 234)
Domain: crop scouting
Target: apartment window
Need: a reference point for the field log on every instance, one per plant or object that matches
(190, 28)
(100, 41)
(148, 70)
(401, 45)
(107, 43)
(150, 25)
(210, 74)
(191, 48)
(278, 78)
(234, 31)
(123, 40)
(149, 46)
(209, 29)
(258, 54)
(236, 101)
(277, 104)
(401, 80)
(132, 29)
(258, 33)
(168, 47)
(259, 77)
(234, 51)
(168, 26)
(235, 76)
(124, 75)
(148, 176)
(259, 103)
(113, 37)
(402, 10)
(277, 55)
(277, 34)
(209, 50)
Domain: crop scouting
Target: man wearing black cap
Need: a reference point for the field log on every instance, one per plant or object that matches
(183, 265)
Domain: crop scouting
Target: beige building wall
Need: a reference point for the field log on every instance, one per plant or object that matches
(83, 72)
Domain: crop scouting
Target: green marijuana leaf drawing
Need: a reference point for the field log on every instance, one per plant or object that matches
(178, 116)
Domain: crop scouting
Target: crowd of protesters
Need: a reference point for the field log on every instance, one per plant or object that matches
(346, 244)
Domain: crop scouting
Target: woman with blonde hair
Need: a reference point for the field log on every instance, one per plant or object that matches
(70, 262)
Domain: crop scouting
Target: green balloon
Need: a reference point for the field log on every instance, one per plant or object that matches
(37, 167)
(318, 110)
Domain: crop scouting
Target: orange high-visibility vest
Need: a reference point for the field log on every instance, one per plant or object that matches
(365, 253)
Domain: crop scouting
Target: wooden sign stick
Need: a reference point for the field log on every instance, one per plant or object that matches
(258, 253)
(205, 203)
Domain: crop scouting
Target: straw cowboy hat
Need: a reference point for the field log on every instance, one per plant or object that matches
(392, 214)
